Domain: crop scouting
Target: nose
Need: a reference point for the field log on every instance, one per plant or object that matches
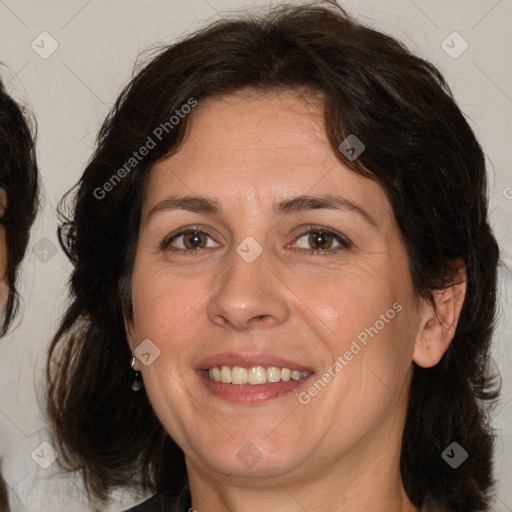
(248, 295)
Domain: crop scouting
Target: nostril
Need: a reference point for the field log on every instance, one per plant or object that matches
(260, 318)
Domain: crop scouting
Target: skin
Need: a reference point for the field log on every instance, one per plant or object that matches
(340, 451)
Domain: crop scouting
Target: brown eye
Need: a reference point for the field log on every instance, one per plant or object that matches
(195, 240)
(320, 240)
(189, 240)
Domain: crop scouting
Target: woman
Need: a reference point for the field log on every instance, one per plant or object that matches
(18, 206)
(283, 230)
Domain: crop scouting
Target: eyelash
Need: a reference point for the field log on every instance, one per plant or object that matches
(165, 244)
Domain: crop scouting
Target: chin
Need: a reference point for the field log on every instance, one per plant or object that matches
(251, 457)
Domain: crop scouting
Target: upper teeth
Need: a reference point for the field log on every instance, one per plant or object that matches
(255, 375)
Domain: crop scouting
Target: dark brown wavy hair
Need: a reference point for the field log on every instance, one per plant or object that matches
(419, 148)
(19, 178)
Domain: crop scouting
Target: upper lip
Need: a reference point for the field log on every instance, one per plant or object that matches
(248, 360)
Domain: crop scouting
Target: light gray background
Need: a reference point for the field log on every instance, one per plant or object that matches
(70, 93)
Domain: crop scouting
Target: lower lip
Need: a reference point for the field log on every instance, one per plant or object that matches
(251, 394)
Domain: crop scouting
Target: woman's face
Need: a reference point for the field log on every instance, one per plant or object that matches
(300, 266)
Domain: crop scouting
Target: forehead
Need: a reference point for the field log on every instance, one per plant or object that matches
(253, 146)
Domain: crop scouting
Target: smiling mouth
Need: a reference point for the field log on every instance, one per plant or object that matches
(253, 376)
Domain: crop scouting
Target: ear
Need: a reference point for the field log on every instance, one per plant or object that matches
(438, 321)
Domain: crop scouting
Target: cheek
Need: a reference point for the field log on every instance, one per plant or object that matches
(155, 295)
(164, 305)
(348, 301)
(364, 316)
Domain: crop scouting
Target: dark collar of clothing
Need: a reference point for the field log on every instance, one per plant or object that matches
(168, 502)
(156, 503)
(4, 505)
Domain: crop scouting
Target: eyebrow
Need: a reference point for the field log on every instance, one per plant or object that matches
(198, 204)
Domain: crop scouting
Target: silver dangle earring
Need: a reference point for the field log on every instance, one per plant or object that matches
(136, 384)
